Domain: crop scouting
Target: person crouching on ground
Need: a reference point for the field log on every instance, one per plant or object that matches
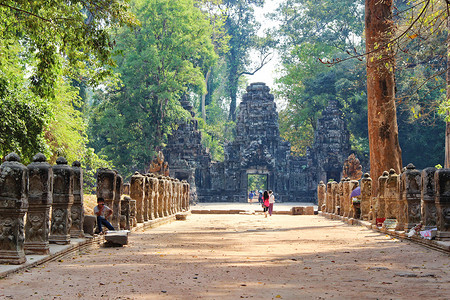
(271, 202)
(102, 212)
(266, 202)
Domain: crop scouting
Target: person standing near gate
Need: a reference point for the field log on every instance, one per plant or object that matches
(271, 202)
(265, 202)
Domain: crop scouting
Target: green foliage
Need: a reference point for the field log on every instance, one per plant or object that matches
(76, 30)
(23, 115)
(161, 62)
(311, 32)
(242, 28)
(256, 182)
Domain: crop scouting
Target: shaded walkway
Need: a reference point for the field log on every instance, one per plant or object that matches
(244, 256)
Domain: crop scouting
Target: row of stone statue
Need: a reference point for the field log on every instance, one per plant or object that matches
(403, 201)
(47, 201)
(151, 197)
(39, 191)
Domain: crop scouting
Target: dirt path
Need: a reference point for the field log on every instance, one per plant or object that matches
(244, 256)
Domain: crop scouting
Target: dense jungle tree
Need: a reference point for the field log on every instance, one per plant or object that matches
(242, 28)
(160, 62)
(310, 31)
(43, 44)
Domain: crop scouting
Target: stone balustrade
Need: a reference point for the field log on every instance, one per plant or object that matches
(39, 190)
(403, 200)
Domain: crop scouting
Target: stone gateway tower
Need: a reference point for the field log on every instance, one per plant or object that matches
(256, 149)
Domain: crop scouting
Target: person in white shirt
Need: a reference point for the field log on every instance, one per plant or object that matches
(271, 202)
(102, 212)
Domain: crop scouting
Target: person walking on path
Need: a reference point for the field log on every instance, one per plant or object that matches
(266, 202)
(260, 197)
(102, 212)
(271, 202)
(250, 197)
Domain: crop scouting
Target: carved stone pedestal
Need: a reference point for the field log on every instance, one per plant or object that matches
(117, 200)
(40, 199)
(13, 205)
(366, 195)
(137, 193)
(442, 200)
(391, 197)
(411, 182)
(125, 215)
(428, 205)
(106, 187)
(62, 202)
(77, 210)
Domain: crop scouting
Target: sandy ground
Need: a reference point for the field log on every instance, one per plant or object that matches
(244, 256)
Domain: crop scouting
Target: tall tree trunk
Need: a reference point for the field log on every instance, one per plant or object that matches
(204, 95)
(385, 152)
(447, 124)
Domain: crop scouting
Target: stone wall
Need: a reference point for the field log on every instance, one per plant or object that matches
(258, 149)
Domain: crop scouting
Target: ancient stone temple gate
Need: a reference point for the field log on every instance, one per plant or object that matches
(257, 149)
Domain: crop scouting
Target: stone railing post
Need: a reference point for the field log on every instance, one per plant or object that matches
(40, 199)
(62, 202)
(427, 205)
(442, 201)
(152, 195)
(13, 206)
(187, 195)
(185, 205)
(106, 187)
(380, 206)
(340, 210)
(126, 188)
(125, 213)
(137, 193)
(334, 193)
(133, 221)
(346, 202)
(170, 195)
(329, 198)
(352, 213)
(366, 196)
(147, 197)
(320, 195)
(161, 196)
(117, 202)
(77, 210)
(166, 196)
(180, 196)
(391, 198)
(412, 185)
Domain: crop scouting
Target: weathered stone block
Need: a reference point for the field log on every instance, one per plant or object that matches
(13, 205)
(40, 199)
(62, 202)
(428, 205)
(116, 238)
(89, 224)
(77, 209)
